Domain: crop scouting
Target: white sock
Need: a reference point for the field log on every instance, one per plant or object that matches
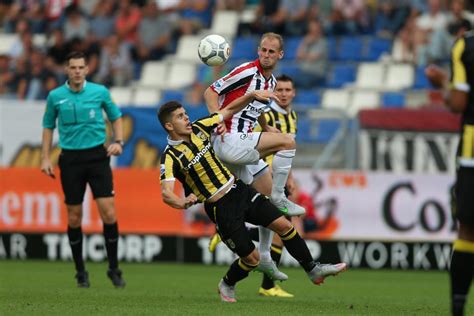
(265, 236)
(281, 166)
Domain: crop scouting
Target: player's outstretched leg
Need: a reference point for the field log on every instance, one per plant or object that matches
(280, 169)
(238, 270)
(299, 250)
(267, 266)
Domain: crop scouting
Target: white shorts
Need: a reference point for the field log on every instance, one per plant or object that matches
(238, 152)
(237, 148)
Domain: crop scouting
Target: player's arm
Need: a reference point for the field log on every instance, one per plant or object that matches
(170, 198)
(212, 100)
(262, 121)
(49, 123)
(455, 90)
(241, 102)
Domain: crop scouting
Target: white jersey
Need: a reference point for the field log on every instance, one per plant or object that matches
(240, 81)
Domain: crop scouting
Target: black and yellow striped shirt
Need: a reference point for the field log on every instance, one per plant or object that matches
(195, 164)
(280, 118)
(462, 79)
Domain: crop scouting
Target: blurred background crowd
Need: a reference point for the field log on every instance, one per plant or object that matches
(326, 39)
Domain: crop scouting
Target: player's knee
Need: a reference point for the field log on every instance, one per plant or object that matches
(289, 142)
(281, 225)
(108, 216)
(74, 218)
(253, 259)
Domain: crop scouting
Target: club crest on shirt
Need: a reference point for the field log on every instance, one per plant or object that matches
(201, 136)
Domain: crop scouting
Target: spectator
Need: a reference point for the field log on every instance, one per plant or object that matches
(268, 18)
(312, 56)
(75, 25)
(195, 15)
(23, 41)
(349, 17)
(56, 54)
(115, 66)
(391, 17)
(30, 10)
(102, 20)
(127, 21)
(295, 13)
(6, 78)
(234, 5)
(154, 35)
(38, 81)
(55, 12)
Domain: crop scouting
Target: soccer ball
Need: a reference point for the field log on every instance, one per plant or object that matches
(213, 50)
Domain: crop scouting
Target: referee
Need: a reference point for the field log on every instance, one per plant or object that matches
(77, 106)
(229, 203)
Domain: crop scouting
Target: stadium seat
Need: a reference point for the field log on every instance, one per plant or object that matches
(399, 76)
(370, 76)
(7, 41)
(361, 100)
(307, 99)
(421, 82)
(146, 97)
(153, 74)
(225, 23)
(121, 95)
(393, 100)
(377, 47)
(416, 98)
(316, 132)
(326, 130)
(291, 47)
(332, 48)
(187, 49)
(341, 75)
(244, 48)
(350, 49)
(335, 99)
(172, 95)
(307, 132)
(288, 68)
(180, 75)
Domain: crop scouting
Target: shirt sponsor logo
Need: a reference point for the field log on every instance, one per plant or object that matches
(198, 156)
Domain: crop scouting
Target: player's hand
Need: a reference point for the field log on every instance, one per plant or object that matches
(436, 75)
(47, 168)
(190, 200)
(114, 149)
(265, 96)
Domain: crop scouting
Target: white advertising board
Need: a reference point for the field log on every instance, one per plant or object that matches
(383, 206)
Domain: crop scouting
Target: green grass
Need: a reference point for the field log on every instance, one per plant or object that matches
(48, 288)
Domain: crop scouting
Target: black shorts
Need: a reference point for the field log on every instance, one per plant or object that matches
(464, 204)
(79, 167)
(241, 204)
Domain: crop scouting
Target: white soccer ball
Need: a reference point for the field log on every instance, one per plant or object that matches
(214, 50)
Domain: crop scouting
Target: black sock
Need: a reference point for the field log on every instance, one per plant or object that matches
(75, 241)
(461, 272)
(298, 249)
(238, 270)
(275, 252)
(111, 242)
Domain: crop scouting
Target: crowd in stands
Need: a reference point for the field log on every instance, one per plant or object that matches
(119, 36)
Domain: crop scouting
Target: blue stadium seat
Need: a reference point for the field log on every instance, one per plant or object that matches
(376, 47)
(291, 47)
(322, 133)
(287, 68)
(307, 99)
(332, 48)
(244, 48)
(172, 95)
(393, 100)
(421, 82)
(350, 49)
(340, 75)
(197, 111)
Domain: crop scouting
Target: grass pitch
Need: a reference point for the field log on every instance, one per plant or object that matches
(48, 288)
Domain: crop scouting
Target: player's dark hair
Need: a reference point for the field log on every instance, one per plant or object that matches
(75, 55)
(164, 112)
(286, 78)
(274, 36)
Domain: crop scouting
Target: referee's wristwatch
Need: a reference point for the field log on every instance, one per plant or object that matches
(121, 142)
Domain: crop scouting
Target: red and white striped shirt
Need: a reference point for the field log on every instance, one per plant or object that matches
(242, 80)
